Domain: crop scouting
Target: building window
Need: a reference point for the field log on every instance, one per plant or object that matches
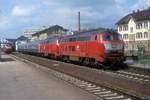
(125, 36)
(122, 36)
(139, 26)
(139, 35)
(149, 24)
(126, 27)
(131, 29)
(136, 26)
(146, 24)
(120, 28)
(123, 28)
(145, 35)
(126, 46)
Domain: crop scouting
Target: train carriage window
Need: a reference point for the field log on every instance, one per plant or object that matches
(47, 41)
(59, 40)
(74, 39)
(70, 39)
(79, 39)
(67, 40)
(82, 39)
(63, 40)
(88, 38)
(85, 38)
(96, 37)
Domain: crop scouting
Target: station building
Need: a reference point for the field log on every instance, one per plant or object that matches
(29, 32)
(135, 30)
(53, 30)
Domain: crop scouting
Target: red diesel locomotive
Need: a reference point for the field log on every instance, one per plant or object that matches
(49, 47)
(94, 47)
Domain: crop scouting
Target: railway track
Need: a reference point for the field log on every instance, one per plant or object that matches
(142, 78)
(103, 91)
(100, 91)
(135, 76)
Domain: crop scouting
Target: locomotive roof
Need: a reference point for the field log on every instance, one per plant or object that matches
(94, 31)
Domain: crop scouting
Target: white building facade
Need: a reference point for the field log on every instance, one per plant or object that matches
(29, 32)
(135, 30)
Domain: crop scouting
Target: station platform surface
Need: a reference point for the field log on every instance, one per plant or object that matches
(143, 66)
(20, 81)
(131, 63)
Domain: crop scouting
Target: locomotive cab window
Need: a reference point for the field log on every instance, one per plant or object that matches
(108, 37)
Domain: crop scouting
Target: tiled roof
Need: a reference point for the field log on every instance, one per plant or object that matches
(137, 16)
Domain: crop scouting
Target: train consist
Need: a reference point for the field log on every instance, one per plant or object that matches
(6, 48)
(97, 47)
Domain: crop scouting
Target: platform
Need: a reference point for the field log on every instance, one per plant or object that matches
(133, 64)
(19, 81)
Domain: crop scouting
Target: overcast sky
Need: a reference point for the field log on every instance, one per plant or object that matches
(18, 15)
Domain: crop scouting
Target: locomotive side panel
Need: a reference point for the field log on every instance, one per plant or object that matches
(95, 50)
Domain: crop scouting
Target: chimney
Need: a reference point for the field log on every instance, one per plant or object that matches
(79, 27)
(133, 11)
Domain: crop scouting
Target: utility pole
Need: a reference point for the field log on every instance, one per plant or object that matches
(79, 26)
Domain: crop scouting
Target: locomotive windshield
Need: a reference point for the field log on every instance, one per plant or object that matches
(112, 36)
(108, 37)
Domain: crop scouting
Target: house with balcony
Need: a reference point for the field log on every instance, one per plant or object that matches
(135, 30)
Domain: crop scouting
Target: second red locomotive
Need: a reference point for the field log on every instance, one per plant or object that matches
(6, 48)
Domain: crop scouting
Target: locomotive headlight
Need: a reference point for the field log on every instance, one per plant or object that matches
(107, 46)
